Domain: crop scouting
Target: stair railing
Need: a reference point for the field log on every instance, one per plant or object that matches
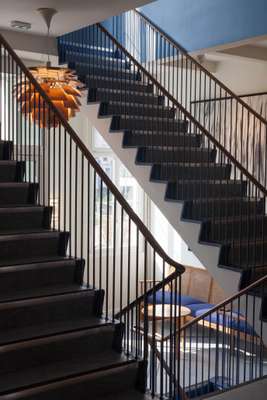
(117, 248)
(222, 347)
(215, 186)
(237, 127)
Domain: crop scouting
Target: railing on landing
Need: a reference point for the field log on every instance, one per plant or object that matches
(116, 246)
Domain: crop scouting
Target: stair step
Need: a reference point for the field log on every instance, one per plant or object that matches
(143, 123)
(32, 247)
(235, 228)
(190, 189)
(250, 276)
(128, 108)
(116, 381)
(58, 357)
(98, 95)
(15, 219)
(50, 315)
(118, 84)
(244, 254)
(147, 138)
(200, 209)
(18, 193)
(6, 150)
(94, 59)
(171, 171)
(148, 155)
(100, 53)
(103, 69)
(40, 279)
(11, 171)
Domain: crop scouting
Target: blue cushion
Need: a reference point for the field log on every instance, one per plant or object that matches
(198, 307)
(227, 320)
(169, 298)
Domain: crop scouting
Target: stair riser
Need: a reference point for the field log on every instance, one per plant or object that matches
(122, 85)
(91, 59)
(99, 387)
(157, 125)
(19, 221)
(219, 209)
(177, 155)
(6, 150)
(14, 251)
(22, 280)
(14, 173)
(98, 95)
(72, 347)
(192, 191)
(160, 172)
(24, 194)
(117, 73)
(137, 140)
(74, 51)
(107, 109)
(250, 276)
(54, 310)
(250, 255)
(222, 232)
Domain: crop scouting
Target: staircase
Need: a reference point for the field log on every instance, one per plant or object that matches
(51, 324)
(209, 190)
(72, 251)
(59, 337)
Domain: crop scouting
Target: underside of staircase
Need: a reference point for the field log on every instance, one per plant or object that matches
(54, 342)
(199, 194)
(128, 115)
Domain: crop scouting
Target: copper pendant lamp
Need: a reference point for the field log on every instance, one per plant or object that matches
(60, 84)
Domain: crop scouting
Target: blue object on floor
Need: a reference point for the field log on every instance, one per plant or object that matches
(201, 307)
(230, 320)
(169, 298)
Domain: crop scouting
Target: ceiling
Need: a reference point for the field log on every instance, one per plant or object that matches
(72, 14)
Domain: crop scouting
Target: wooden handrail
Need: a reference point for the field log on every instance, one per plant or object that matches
(90, 158)
(186, 113)
(200, 66)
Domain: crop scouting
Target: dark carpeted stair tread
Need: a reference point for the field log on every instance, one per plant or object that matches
(58, 357)
(106, 94)
(38, 291)
(250, 227)
(131, 395)
(148, 155)
(27, 280)
(24, 218)
(11, 171)
(58, 370)
(134, 138)
(13, 193)
(98, 384)
(36, 332)
(48, 315)
(201, 209)
(193, 189)
(99, 81)
(129, 108)
(140, 122)
(193, 170)
(32, 247)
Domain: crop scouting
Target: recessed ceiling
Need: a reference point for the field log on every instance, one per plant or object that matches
(72, 14)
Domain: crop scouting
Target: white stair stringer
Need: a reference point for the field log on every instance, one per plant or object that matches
(207, 254)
